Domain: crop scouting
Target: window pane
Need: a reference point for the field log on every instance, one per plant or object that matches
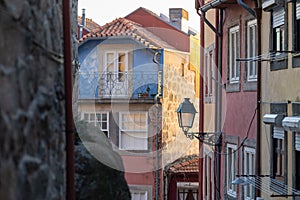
(236, 47)
(121, 66)
(134, 131)
(110, 62)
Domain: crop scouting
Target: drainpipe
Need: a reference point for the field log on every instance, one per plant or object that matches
(245, 6)
(70, 170)
(219, 40)
(198, 4)
(258, 90)
(82, 23)
(156, 101)
(157, 154)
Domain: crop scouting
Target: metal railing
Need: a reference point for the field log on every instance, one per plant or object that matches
(135, 85)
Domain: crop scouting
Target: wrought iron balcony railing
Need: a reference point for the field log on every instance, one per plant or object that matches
(133, 85)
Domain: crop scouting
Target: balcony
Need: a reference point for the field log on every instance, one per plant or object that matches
(123, 85)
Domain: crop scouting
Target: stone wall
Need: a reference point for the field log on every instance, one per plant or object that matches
(179, 83)
(32, 139)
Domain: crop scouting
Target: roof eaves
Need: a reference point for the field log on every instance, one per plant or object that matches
(211, 4)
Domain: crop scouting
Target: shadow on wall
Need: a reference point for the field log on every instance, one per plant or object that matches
(93, 179)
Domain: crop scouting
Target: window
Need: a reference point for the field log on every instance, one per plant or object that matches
(279, 150)
(278, 38)
(133, 131)
(138, 195)
(209, 76)
(234, 44)
(187, 190)
(100, 119)
(278, 29)
(116, 65)
(231, 169)
(252, 50)
(296, 39)
(249, 169)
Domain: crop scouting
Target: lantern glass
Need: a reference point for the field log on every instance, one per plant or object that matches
(186, 114)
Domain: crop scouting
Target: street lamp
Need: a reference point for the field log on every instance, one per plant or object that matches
(186, 114)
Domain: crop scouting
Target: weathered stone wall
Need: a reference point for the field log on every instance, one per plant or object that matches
(32, 139)
(179, 83)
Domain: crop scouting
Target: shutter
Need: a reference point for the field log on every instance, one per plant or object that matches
(298, 10)
(278, 132)
(278, 17)
(297, 141)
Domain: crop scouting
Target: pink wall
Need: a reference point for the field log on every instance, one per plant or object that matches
(166, 32)
(238, 107)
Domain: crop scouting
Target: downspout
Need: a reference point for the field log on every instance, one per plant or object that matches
(157, 154)
(218, 59)
(219, 46)
(156, 101)
(245, 6)
(207, 22)
(258, 90)
(198, 4)
(70, 188)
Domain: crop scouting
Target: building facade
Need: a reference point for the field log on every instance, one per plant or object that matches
(229, 96)
(280, 72)
(130, 84)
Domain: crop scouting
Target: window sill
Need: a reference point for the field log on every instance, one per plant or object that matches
(296, 60)
(250, 85)
(209, 99)
(280, 63)
(136, 153)
(233, 87)
(231, 195)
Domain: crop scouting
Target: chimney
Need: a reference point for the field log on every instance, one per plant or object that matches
(179, 18)
(82, 22)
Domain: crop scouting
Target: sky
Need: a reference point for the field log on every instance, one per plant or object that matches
(103, 12)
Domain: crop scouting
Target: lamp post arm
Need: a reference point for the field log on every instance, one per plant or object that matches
(209, 138)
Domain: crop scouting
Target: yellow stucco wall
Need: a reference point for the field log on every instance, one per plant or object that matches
(195, 60)
(277, 86)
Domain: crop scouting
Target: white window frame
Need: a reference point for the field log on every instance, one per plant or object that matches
(278, 32)
(95, 121)
(252, 49)
(209, 182)
(209, 75)
(234, 71)
(249, 169)
(131, 132)
(231, 168)
(116, 64)
(138, 192)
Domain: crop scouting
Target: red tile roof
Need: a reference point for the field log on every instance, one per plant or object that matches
(89, 23)
(187, 164)
(124, 27)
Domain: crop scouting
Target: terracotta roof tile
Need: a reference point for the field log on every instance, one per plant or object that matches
(89, 23)
(185, 164)
(125, 27)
